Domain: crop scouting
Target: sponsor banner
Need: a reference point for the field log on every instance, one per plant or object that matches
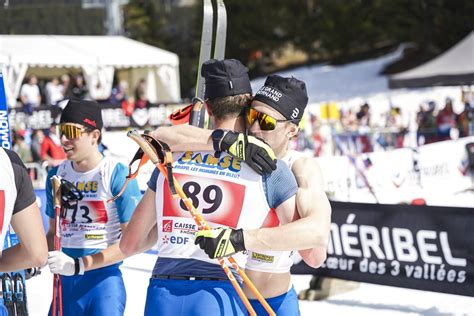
(420, 247)
(5, 140)
(437, 173)
(114, 117)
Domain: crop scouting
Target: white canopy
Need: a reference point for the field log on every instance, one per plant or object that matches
(452, 68)
(97, 56)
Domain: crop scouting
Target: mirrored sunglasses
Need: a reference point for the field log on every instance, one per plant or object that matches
(265, 121)
(71, 131)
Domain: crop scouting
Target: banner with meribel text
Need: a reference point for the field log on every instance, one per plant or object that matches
(420, 247)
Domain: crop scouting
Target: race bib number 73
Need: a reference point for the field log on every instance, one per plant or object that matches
(86, 212)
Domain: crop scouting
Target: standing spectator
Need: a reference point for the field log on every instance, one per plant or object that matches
(79, 89)
(51, 149)
(119, 97)
(445, 121)
(20, 146)
(30, 94)
(141, 100)
(401, 128)
(363, 118)
(318, 142)
(426, 122)
(396, 129)
(37, 138)
(66, 83)
(465, 120)
(349, 130)
(54, 91)
(119, 93)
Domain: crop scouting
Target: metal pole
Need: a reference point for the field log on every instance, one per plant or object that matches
(114, 17)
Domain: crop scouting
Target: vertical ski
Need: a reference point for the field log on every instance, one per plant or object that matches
(7, 288)
(19, 295)
(197, 117)
(221, 30)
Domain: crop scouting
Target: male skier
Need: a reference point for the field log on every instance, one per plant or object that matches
(226, 191)
(89, 259)
(276, 111)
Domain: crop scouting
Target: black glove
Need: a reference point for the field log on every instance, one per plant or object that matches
(220, 242)
(254, 151)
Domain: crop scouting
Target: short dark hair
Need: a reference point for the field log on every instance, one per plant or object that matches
(89, 130)
(230, 106)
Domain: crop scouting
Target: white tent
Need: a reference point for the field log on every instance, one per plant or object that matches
(98, 57)
(454, 67)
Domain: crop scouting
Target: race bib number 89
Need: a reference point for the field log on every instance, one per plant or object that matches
(219, 201)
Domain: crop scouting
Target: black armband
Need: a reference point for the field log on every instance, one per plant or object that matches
(77, 268)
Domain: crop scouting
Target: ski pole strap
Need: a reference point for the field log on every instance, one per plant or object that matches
(69, 193)
(164, 154)
(143, 159)
(158, 152)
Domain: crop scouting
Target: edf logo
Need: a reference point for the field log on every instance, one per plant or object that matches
(179, 240)
(175, 240)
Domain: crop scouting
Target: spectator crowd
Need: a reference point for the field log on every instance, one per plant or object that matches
(35, 93)
(353, 131)
(356, 132)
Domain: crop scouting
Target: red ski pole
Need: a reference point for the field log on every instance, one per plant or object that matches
(57, 289)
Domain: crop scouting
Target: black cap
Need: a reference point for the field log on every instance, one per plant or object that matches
(286, 95)
(225, 78)
(82, 112)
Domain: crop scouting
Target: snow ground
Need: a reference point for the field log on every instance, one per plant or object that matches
(365, 300)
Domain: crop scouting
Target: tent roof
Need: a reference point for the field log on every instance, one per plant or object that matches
(453, 67)
(77, 51)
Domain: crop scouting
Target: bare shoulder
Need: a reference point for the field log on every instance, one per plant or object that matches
(306, 162)
(307, 167)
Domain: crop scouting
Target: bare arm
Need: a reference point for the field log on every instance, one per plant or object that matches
(310, 233)
(141, 231)
(32, 250)
(106, 257)
(312, 202)
(111, 254)
(299, 234)
(50, 235)
(185, 137)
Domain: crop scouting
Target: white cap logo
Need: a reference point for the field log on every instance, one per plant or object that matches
(295, 113)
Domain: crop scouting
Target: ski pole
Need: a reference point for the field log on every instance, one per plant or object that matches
(143, 159)
(57, 288)
(201, 223)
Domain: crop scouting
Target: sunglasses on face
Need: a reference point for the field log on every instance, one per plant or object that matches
(71, 131)
(265, 121)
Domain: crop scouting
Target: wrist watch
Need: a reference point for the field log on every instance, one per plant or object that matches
(217, 136)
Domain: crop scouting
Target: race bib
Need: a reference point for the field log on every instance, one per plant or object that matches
(85, 212)
(218, 201)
